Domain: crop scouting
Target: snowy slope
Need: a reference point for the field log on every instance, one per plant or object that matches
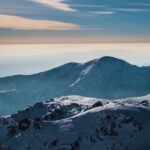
(79, 123)
(107, 78)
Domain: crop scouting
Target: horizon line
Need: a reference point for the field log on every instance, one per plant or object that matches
(46, 43)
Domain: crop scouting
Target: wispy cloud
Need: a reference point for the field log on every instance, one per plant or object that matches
(20, 23)
(104, 12)
(116, 10)
(89, 6)
(131, 9)
(143, 4)
(56, 4)
(84, 28)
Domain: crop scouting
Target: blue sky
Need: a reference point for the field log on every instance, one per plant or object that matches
(74, 21)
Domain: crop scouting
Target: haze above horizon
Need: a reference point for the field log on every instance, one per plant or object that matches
(34, 58)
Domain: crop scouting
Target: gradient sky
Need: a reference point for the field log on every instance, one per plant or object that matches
(33, 58)
(74, 21)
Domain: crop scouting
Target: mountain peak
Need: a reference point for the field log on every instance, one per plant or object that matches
(108, 59)
(111, 59)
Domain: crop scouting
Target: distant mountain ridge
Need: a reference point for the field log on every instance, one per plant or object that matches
(107, 77)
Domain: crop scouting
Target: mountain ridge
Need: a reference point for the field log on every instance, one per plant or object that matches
(106, 77)
(79, 123)
(76, 63)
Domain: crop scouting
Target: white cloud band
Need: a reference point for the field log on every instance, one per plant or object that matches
(130, 9)
(104, 12)
(56, 4)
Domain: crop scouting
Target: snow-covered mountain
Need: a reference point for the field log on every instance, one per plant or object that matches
(106, 77)
(79, 123)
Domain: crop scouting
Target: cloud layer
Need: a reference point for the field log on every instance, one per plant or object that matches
(131, 9)
(104, 12)
(20, 23)
(56, 4)
(72, 21)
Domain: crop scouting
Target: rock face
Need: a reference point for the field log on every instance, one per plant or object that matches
(79, 123)
(108, 78)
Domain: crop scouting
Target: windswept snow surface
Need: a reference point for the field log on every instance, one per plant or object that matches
(79, 123)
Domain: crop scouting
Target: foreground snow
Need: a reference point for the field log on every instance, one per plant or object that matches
(79, 123)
